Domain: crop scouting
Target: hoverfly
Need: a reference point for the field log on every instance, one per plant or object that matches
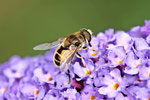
(68, 48)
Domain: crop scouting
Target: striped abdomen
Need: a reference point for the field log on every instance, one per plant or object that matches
(61, 55)
(58, 55)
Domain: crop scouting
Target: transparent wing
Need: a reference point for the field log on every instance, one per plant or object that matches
(48, 45)
(65, 65)
(45, 46)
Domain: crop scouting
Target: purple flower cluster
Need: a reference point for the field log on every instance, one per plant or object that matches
(120, 71)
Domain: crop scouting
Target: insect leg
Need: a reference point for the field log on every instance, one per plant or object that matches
(95, 51)
(89, 44)
(84, 48)
(87, 71)
(79, 56)
(92, 49)
(69, 77)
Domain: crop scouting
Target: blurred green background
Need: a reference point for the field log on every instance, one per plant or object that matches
(26, 23)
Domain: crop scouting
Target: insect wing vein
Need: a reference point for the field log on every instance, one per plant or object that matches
(46, 46)
(65, 65)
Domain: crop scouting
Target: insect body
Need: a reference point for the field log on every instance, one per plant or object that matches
(68, 48)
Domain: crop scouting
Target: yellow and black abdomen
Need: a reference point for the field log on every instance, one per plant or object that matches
(58, 55)
(61, 55)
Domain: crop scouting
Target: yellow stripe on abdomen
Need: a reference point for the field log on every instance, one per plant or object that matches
(58, 58)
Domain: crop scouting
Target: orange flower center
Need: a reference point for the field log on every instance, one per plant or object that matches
(36, 92)
(92, 97)
(115, 86)
(5, 90)
(120, 61)
(88, 72)
(50, 78)
(95, 53)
